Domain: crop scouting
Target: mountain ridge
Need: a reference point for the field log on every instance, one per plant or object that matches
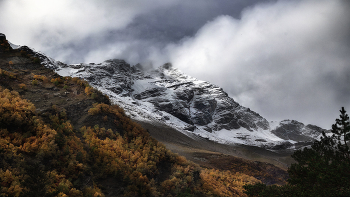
(61, 137)
(167, 95)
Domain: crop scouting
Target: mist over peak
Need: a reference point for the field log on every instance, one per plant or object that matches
(284, 59)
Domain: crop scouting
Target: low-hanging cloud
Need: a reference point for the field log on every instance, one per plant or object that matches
(93, 31)
(68, 30)
(283, 59)
(288, 59)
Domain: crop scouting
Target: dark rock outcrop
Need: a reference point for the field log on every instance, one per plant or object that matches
(297, 131)
(194, 102)
(2, 37)
(167, 95)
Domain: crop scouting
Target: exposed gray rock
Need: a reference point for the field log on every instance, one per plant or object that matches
(297, 131)
(197, 103)
(2, 37)
(167, 95)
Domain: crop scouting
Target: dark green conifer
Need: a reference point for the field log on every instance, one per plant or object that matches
(35, 180)
(321, 170)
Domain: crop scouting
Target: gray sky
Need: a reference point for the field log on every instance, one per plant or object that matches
(285, 59)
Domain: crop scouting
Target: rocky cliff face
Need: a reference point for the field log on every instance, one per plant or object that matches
(196, 103)
(297, 131)
(169, 96)
(2, 38)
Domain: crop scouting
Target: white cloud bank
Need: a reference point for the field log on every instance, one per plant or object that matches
(285, 59)
(59, 27)
(289, 59)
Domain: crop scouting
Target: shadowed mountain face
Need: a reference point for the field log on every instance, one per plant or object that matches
(67, 107)
(169, 96)
(198, 104)
(2, 37)
(166, 95)
(297, 131)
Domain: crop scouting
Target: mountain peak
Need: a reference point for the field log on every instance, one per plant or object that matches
(166, 95)
(2, 37)
(167, 65)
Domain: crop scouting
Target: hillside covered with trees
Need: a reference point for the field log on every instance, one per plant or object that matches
(61, 137)
(321, 170)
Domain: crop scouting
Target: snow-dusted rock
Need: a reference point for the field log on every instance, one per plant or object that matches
(297, 131)
(169, 96)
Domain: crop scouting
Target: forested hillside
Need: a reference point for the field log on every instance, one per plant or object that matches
(60, 137)
(320, 170)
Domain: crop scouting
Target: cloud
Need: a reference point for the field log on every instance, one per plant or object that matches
(283, 59)
(90, 30)
(288, 59)
(59, 27)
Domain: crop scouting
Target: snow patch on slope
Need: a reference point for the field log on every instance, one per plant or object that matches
(13, 46)
(191, 106)
(170, 80)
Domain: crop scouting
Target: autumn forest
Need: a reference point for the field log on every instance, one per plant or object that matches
(61, 137)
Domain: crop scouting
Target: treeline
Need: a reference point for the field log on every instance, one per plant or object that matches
(321, 170)
(49, 152)
(50, 158)
(45, 154)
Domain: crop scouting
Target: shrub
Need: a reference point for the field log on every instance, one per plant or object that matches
(22, 86)
(36, 60)
(41, 78)
(57, 81)
(14, 111)
(88, 90)
(24, 54)
(6, 73)
(34, 82)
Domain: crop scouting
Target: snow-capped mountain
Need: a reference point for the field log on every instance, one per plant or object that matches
(168, 96)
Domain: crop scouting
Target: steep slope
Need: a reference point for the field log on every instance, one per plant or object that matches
(191, 106)
(166, 95)
(298, 132)
(51, 145)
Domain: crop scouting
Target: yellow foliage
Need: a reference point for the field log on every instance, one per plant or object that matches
(181, 160)
(17, 111)
(37, 77)
(13, 109)
(6, 73)
(80, 82)
(41, 78)
(34, 82)
(95, 192)
(75, 193)
(135, 159)
(225, 183)
(22, 86)
(104, 108)
(10, 182)
(88, 90)
(57, 81)
(61, 194)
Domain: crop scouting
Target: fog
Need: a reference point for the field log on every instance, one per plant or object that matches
(282, 59)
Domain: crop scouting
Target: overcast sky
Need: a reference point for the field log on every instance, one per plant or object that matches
(285, 59)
